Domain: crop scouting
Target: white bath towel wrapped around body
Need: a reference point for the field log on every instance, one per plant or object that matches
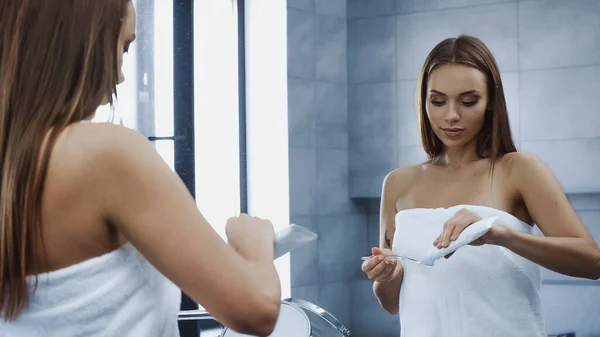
(118, 294)
(480, 291)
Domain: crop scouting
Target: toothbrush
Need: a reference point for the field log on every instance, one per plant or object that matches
(396, 257)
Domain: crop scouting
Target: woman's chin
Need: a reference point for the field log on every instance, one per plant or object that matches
(454, 143)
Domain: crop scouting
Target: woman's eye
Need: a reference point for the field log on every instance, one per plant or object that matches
(437, 100)
(469, 103)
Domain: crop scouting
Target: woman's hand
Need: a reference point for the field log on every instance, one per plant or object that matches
(461, 220)
(251, 237)
(380, 268)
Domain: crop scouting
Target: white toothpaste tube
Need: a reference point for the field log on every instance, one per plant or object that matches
(468, 235)
(291, 238)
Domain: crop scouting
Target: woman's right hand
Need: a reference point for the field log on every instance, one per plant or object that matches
(251, 237)
(380, 268)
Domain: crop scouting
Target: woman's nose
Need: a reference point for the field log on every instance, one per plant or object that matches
(452, 114)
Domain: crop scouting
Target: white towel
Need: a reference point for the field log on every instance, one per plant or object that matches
(118, 294)
(480, 291)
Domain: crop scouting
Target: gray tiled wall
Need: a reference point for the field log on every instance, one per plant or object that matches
(324, 271)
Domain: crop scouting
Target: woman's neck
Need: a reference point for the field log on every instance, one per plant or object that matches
(458, 156)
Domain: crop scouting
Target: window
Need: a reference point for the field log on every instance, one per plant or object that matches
(185, 90)
(261, 123)
(267, 118)
(216, 115)
(145, 99)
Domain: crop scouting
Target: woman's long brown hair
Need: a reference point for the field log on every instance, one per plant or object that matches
(494, 139)
(58, 63)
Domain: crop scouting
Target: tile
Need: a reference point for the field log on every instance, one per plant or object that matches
(332, 196)
(368, 169)
(332, 164)
(574, 162)
(372, 161)
(342, 243)
(408, 121)
(510, 82)
(370, 8)
(495, 25)
(367, 316)
(302, 112)
(366, 186)
(303, 266)
(331, 115)
(333, 136)
(307, 5)
(556, 104)
(331, 103)
(304, 260)
(591, 219)
(302, 162)
(585, 202)
(373, 229)
(335, 8)
(330, 49)
(371, 50)
(373, 205)
(302, 139)
(377, 144)
(372, 110)
(411, 6)
(568, 308)
(556, 33)
(411, 155)
(335, 299)
(307, 293)
(300, 44)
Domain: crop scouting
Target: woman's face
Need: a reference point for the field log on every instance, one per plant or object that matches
(126, 37)
(456, 100)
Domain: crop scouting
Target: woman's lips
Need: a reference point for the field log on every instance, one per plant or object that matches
(453, 132)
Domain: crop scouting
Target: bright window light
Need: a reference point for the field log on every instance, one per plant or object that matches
(163, 68)
(267, 118)
(216, 111)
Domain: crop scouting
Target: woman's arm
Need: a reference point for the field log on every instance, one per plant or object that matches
(152, 208)
(567, 248)
(388, 293)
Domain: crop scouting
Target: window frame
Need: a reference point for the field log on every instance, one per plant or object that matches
(184, 102)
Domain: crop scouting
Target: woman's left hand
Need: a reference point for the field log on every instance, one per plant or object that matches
(461, 220)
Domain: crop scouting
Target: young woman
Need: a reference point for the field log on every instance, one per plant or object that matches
(474, 171)
(97, 234)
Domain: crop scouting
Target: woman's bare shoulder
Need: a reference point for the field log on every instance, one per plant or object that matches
(403, 177)
(92, 151)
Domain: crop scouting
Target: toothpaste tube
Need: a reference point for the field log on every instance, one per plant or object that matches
(468, 235)
(291, 238)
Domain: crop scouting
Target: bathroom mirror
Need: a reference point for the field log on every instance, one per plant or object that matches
(352, 70)
(337, 78)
